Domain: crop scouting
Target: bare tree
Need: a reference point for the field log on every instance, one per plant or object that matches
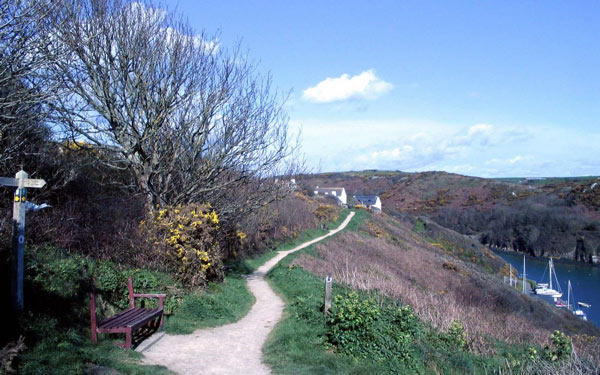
(24, 89)
(191, 121)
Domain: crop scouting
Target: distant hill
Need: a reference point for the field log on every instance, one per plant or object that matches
(542, 217)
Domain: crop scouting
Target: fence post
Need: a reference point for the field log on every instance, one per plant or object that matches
(327, 293)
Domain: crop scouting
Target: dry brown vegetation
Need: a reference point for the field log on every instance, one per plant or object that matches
(551, 217)
(441, 287)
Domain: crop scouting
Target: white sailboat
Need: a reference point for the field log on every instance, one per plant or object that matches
(545, 289)
(576, 311)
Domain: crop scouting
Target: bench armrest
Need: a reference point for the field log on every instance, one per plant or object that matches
(149, 295)
(160, 297)
(133, 296)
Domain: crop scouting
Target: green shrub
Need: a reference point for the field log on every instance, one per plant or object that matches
(454, 338)
(363, 329)
(419, 226)
(561, 347)
(56, 271)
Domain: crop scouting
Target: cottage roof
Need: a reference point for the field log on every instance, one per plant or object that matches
(322, 190)
(367, 200)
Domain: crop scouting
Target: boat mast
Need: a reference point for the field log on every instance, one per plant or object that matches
(523, 291)
(569, 296)
(551, 267)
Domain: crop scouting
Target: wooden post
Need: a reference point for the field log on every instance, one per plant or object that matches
(21, 182)
(18, 241)
(327, 294)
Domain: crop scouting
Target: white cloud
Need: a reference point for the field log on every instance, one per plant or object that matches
(509, 161)
(477, 134)
(155, 16)
(364, 85)
(480, 149)
(515, 159)
(480, 129)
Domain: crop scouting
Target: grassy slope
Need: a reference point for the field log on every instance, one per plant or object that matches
(298, 344)
(55, 323)
(251, 264)
(227, 302)
(56, 326)
(219, 304)
(58, 339)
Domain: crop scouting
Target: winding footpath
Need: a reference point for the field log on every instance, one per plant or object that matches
(233, 348)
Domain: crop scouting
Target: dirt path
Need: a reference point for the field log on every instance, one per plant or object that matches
(230, 349)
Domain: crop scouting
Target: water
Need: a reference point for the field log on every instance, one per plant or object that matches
(585, 279)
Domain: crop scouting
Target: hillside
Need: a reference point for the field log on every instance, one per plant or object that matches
(454, 287)
(442, 279)
(542, 217)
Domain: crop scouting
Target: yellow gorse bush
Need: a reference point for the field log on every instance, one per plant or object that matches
(188, 236)
(326, 212)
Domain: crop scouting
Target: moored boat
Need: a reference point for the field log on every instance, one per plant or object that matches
(576, 311)
(560, 303)
(546, 289)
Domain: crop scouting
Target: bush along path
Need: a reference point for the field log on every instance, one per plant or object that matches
(233, 348)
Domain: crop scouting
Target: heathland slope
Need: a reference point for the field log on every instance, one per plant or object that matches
(442, 279)
(541, 217)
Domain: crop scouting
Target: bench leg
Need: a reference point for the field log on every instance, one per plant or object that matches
(128, 338)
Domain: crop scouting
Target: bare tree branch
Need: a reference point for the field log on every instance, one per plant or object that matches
(192, 121)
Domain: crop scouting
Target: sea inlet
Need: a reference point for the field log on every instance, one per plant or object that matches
(585, 279)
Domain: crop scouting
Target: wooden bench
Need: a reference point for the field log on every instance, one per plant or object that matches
(130, 320)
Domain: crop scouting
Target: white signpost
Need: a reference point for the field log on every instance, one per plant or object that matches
(21, 182)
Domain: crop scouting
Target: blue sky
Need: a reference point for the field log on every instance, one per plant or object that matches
(483, 88)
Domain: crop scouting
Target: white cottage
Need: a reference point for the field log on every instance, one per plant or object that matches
(338, 193)
(369, 201)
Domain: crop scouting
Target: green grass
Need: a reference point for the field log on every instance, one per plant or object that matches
(252, 264)
(357, 220)
(227, 302)
(297, 345)
(219, 304)
(56, 323)
(74, 354)
(313, 233)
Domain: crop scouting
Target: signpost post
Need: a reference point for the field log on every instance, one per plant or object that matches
(21, 182)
